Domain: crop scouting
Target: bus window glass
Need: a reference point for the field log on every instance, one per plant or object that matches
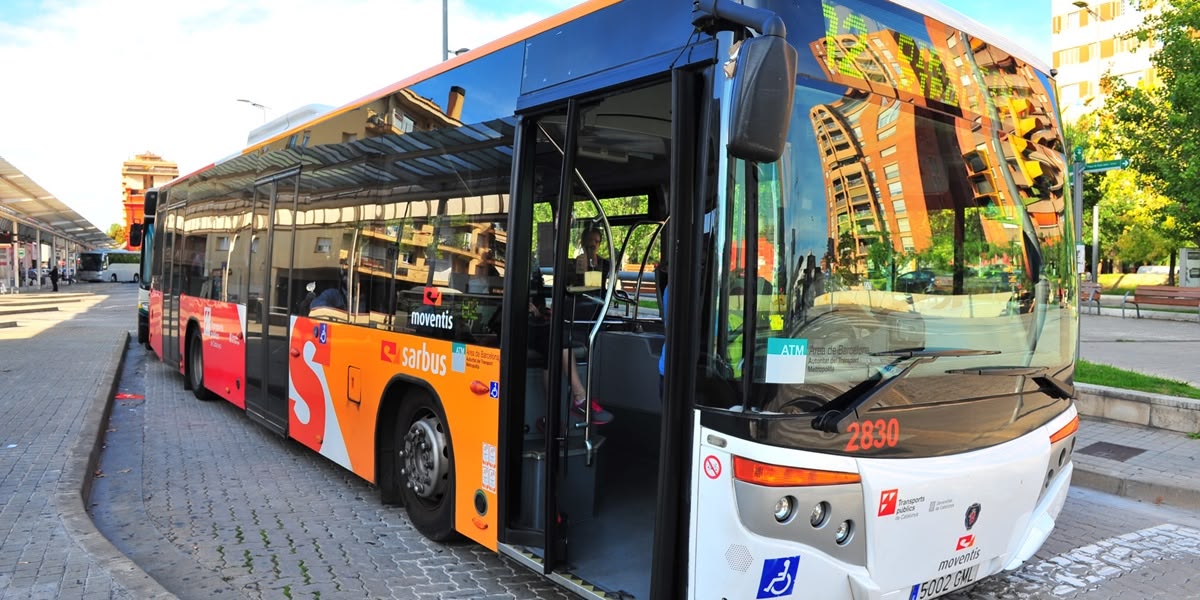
(889, 227)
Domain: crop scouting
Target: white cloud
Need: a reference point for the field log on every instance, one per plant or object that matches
(92, 83)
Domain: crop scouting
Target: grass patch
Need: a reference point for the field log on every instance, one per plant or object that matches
(1119, 283)
(1095, 374)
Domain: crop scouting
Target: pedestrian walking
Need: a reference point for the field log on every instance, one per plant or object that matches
(54, 277)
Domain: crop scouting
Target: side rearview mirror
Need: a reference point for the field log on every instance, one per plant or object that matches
(150, 203)
(135, 234)
(763, 87)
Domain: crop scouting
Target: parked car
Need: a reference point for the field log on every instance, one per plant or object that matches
(915, 282)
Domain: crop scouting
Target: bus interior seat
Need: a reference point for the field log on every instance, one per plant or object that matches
(626, 370)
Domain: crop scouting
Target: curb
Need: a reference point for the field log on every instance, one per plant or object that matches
(75, 487)
(1153, 411)
(1151, 492)
(1139, 408)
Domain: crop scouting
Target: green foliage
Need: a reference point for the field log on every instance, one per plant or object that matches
(1119, 283)
(1137, 224)
(116, 231)
(1157, 127)
(1097, 374)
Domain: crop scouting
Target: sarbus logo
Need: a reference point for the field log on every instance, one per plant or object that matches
(423, 360)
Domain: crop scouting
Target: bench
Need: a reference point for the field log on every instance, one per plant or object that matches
(1089, 293)
(1161, 295)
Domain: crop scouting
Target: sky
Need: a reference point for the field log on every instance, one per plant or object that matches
(89, 84)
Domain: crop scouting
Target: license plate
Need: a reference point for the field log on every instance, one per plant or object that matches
(940, 586)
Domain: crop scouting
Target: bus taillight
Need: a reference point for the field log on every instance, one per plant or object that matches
(755, 472)
(1067, 430)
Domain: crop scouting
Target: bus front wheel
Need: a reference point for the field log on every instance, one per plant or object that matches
(425, 466)
(195, 366)
(114, 277)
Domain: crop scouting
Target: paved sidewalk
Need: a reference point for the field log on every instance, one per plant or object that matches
(1149, 464)
(56, 377)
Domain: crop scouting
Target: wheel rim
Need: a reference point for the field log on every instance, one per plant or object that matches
(196, 363)
(423, 458)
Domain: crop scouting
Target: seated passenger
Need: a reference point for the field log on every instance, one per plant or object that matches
(331, 298)
(588, 260)
(539, 342)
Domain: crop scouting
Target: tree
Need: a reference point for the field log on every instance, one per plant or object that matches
(116, 231)
(1137, 226)
(1157, 127)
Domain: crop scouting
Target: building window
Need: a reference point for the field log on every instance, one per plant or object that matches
(222, 243)
(324, 245)
(402, 122)
(888, 115)
(1070, 56)
(886, 152)
(891, 171)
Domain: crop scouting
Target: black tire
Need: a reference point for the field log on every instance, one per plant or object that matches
(425, 467)
(143, 331)
(114, 277)
(195, 367)
(137, 278)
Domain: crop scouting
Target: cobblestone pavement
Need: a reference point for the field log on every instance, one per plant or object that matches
(228, 509)
(1104, 547)
(57, 353)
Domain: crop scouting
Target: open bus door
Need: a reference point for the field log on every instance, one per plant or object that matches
(585, 495)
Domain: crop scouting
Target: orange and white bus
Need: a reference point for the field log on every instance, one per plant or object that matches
(879, 408)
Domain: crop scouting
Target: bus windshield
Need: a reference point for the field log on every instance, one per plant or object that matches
(93, 261)
(910, 250)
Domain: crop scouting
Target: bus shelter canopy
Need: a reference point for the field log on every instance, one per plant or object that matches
(32, 207)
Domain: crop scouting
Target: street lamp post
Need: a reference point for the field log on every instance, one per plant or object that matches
(258, 106)
(446, 51)
(1078, 166)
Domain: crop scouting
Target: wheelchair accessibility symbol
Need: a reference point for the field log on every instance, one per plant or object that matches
(778, 577)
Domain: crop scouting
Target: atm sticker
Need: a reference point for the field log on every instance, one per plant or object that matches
(787, 360)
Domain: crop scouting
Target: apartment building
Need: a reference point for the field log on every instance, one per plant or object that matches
(1090, 38)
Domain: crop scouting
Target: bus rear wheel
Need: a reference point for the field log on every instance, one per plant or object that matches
(114, 278)
(195, 367)
(425, 467)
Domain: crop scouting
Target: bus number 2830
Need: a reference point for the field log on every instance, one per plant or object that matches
(873, 435)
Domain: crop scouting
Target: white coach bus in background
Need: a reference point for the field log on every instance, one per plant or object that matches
(110, 265)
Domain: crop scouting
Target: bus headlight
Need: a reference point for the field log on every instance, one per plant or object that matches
(844, 532)
(820, 514)
(784, 508)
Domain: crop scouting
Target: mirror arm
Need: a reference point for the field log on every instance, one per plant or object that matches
(707, 13)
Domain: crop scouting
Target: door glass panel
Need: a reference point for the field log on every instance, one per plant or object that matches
(256, 300)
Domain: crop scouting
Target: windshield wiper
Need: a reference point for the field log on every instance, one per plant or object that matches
(866, 393)
(1055, 388)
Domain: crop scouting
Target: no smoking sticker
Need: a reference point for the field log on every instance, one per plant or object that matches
(712, 466)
